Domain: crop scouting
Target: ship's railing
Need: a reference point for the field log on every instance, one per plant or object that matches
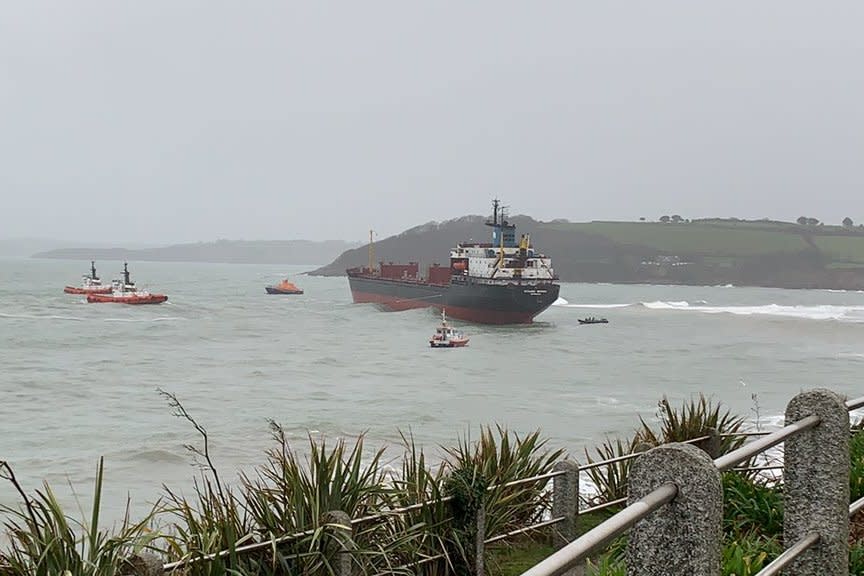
(674, 511)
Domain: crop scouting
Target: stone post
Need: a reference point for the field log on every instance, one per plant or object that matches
(712, 444)
(816, 484)
(342, 539)
(565, 504)
(143, 564)
(480, 541)
(682, 538)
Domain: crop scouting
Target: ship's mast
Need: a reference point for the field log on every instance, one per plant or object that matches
(371, 253)
(93, 269)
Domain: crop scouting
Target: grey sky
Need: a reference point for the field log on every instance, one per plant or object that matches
(192, 120)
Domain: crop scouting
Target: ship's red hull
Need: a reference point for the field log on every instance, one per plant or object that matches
(78, 290)
(130, 299)
(478, 315)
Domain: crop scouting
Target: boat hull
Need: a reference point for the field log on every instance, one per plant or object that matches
(275, 290)
(511, 303)
(448, 343)
(79, 290)
(131, 299)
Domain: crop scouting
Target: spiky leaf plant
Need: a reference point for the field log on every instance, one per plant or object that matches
(500, 457)
(45, 541)
(693, 419)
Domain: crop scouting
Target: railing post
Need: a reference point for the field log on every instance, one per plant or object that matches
(683, 537)
(143, 564)
(565, 502)
(712, 444)
(480, 541)
(816, 484)
(343, 537)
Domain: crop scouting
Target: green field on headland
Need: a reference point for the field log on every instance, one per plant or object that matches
(697, 252)
(419, 518)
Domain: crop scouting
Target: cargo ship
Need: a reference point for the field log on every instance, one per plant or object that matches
(505, 281)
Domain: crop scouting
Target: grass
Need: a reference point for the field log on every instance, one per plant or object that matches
(693, 238)
(516, 558)
(845, 249)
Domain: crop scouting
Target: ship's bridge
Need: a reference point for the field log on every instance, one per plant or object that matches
(501, 263)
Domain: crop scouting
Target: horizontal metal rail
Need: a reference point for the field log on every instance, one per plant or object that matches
(744, 434)
(529, 480)
(239, 550)
(603, 506)
(537, 526)
(856, 506)
(758, 468)
(631, 455)
(855, 403)
(572, 553)
(615, 460)
(788, 555)
(413, 564)
(730, 460)
(398, 511)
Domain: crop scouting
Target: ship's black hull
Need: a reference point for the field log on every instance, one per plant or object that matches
(475, 302)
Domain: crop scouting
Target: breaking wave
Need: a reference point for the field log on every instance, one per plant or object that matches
(814, 312)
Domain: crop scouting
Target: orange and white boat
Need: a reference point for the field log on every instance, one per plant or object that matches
(284, 287)
(446, 336)
(125, 292)
(89, 284)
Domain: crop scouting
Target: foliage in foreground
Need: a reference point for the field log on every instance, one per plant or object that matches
(695, 418)
(44, 540)
(293, 494)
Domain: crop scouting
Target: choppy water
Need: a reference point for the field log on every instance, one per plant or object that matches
(78, 380)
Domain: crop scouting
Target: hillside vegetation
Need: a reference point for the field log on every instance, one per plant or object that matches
(757, 253)
(221, 251)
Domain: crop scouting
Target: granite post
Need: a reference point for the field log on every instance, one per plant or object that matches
(565, 504)
(682, 538)
(342, 541)
(816, 484)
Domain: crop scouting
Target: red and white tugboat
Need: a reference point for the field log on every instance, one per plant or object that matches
(446, 336)
(125, 292)
(89, 284)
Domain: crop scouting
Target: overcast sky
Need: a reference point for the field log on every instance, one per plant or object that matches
(180, 120)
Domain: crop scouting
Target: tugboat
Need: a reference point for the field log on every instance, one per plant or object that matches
(89, 284)
(446, 337)
(125, 292)
(593, 320)
(284, 287)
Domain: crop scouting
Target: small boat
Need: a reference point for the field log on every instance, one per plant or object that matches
(284, 287)
(89, 284)
(593, 320)
(446, 337)
(125, 292)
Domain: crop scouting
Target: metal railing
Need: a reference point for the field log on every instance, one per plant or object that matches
(554, 520)
(572, 554)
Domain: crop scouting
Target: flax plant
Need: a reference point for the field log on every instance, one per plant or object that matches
(429, 522)
(45, 541)
(500, 457)
(610, 480)
(214, 523)
(290, 496)
(693, 419)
